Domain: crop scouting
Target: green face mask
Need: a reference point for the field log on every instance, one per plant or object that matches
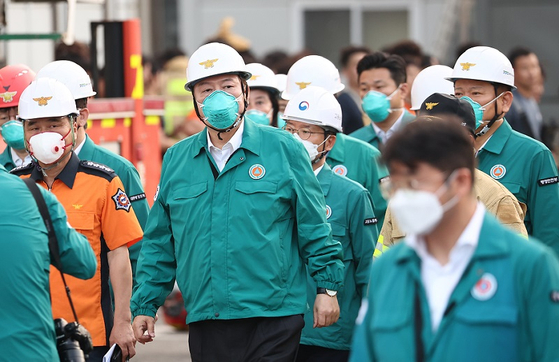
(479, 109)
(257, 117)
(221, 109)
(12, 133)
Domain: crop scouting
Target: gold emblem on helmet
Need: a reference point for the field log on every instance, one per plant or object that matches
(430, 105)
(254, 76)
(7, 97)
(466, 66)
(302, 85)
(42, 101)
(208, 63)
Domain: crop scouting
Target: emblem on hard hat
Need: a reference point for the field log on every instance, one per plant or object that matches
(42, 101)
(303, 106)
(7, 97)
(466, 66)
(430, 105)
(303, 85)
(208, 63)
(254, 76)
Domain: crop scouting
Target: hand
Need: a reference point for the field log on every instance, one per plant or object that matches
(326, 310)
(141, 324)
(123, 335)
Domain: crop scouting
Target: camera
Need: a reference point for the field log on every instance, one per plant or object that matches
(73, 341)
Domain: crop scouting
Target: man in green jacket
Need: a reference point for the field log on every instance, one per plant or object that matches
(350, 214)
(237, 216)
(26, 315)
(349, 157)
(484, 77)
(461, 287)
(383, 88)
(78, 82)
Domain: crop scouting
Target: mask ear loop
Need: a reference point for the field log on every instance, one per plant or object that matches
(237, 122)
(390, 97)
(72, 120)
(496, 116)
(321, 153)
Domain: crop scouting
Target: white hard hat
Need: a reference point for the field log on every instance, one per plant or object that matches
(46, 97)
(315, 105)
(262, 77)
(214, 59)
(312, 70)
(74, 77)
(430, 80)
(485, 64)
(281, 80)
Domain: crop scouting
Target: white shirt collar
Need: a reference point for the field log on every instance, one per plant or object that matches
(79, 147)
(222, 155)
(317, 171)
(384, 136)
(234, 143)
(18, 161)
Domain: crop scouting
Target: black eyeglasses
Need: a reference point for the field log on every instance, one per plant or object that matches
(304, 133)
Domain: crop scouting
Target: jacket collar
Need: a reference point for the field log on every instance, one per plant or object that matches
(337, 152)
(498, 140)
(325, 178)
(492, 244)
(86, 153)
(67, 175)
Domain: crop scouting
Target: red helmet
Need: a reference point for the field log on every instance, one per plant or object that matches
(13, 80)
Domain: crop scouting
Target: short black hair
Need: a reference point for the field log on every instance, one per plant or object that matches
(517, 53)
(394, 63)
(439, 142)
(347, 52)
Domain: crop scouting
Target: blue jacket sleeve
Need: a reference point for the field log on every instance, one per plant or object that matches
(76, 255)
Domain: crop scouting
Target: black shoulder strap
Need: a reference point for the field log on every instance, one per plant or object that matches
(53, 241)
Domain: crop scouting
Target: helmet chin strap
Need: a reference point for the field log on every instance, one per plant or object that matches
(495, 118)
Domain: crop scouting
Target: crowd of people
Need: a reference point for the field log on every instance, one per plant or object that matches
(397, 210)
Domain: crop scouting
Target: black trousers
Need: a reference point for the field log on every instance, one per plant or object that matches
(321, 354)
(245, 340)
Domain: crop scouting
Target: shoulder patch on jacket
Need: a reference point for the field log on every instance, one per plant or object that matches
(548, 181)
(97, 169)
(137, 197)
(23, 170)
(370, 221)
